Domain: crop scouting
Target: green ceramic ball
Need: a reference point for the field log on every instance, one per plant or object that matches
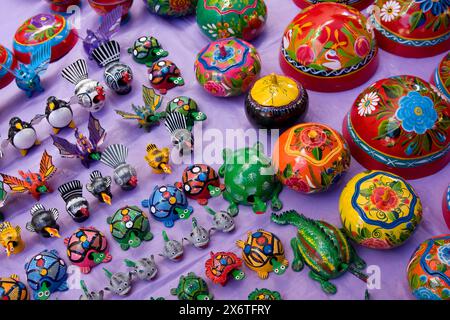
(171, 8)
(244, 19)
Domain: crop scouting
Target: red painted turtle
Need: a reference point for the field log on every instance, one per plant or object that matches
(165, 75)
(221, 264)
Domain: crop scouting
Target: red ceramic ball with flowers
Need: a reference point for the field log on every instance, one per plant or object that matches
(399, 124)
(329, 47)
(310, 157)
(8, 63)
(357, 4)
(62, 5)
(446, 206)
(412, 28)
(102, 7)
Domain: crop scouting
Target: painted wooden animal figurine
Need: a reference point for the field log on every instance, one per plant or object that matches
(34, 183)
(199, 236)
(11, 239)
(323, 248)
(119, 282)
(125, 175)
(144, 269)
(22, 135)
(90, 295)
(222, 220)
(100, 187)
(158, 159)
(181, 137)
(76, 205)
(59, 114)
(147, 50)
(12, 289)
(173, 249)
(187, 107)
(221, 265)
(165, 75)
(191, 287)
(43, 221)
(147, 115)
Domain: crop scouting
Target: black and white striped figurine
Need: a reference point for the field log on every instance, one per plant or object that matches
(76, 205)
(118, 76)
(182, 138)
(90, 93)
(100, 187)
(125, 175)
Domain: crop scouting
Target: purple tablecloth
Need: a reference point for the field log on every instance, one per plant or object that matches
(183, 39)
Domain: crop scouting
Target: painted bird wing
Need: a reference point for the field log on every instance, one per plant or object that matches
(152, 100)
(16, 184)
(96, 132)
(127, 115)
(66, 149)
(47, 168)
(41, 59)
(110, 23)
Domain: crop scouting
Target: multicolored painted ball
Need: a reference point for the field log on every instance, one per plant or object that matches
(429, 269)
(441, 77)
(357, 4)
(12, 289)
(379, 210)
(400, 125)
(171, 8)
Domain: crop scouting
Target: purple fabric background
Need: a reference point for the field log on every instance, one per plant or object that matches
(183, 39)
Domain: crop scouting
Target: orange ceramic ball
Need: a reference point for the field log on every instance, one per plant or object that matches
(310, 157)
(329, 47)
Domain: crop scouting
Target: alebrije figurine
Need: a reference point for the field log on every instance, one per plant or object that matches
(33, 183)
(173, 249)
(199, 237)
(147, 115)
(87, 150)
(118, 76)
(222, 220)
(165, 75)
(22, 135)
(11, 288)
(201, 182)
(11, 239)
(3, 197)
(181, 137)
(76, 205)
(223, 264)
(129, 227)
(264, 294)
(100, 187)
(59, 114)
(191, 287)
(86, 248)
(263, 252)
(187, 107)
(110, 24)
(119, 282)
(125, 175)
(43, 221)
(250, 180)
(145, 268)
(323, 248)
(46, 274)
(167, 204)
(90, 93)
(158, 159)
(90, 295)
(147, 50)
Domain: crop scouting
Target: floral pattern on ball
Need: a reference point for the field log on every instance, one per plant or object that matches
(171, 8)
(416, 113)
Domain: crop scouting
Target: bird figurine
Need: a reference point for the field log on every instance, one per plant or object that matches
(28, 76)
(147, 50)
(11, 239)
(34, 183)
(58, 113)
(146, 116)
(110, 24)
(115, 157)
(118, 76)
(22, 135)
(182, 138)
(158, 159)
(43, 221)
(90, 93)
(100, 187)
(76, 205)
(87, 150)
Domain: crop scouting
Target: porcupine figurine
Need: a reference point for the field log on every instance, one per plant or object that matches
(76, 205)
(124, 174)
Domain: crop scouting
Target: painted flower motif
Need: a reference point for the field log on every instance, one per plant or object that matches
(384, 198)
(215, 88)
(42, 20)
(297, 184)
(375, 243)
(305, 55)
(416, 113)
(444, 254)
(390, 11)
(223, 53)
(437, 7)
(425, 294)
(362, 46)
(313, 137)
(253, 27)
(368, 103)
(180, 5)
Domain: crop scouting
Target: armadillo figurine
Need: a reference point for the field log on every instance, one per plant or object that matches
(76, 205)
(145, 268)
(100, 187)
(181, 137)
(43, 221)
(119, 282)
(173, 249)
(125, 175)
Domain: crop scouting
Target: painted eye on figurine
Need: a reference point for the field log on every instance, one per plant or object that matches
(129, 225)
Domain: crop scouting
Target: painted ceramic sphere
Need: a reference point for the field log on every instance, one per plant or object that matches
(310, 157)
(276, 101)
(102, 7)
(441, 76)
(227, 67)
(357, 4)
(429, 269)
(379, 210)
(40, 29)
(328, 47)
(413, 29)
(399, 124)
(219, 19)
(446, 206)
(171, 8)
(7, 60)
(62, 5)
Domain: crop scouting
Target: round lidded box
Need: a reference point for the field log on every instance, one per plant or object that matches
(413, 29)
(429, 269)
(8, 61)
(398, 125)
(379, 210)
(40, 29)
(441, 77)
(357, 4)
(310, 157)
(276, 101)
(328, 47)
(170, 8)
(446, 206)
(227, 67)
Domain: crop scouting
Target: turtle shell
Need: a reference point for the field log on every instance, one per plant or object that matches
(164, 200)
(160, 73)
(264, 294)
(85, 241)
(126, 220)
(191, 286)
(220, 265)
(12, 289)
(143, 47)
(260, 247)
(196, 179)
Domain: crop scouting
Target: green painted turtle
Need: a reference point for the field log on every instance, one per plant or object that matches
(130, 226)
(249, 180)
(12, 289)
(264, 294)
(191, 287)
(222, 264)
(323, 248)
(147, 50)
(187, 107)
(165, 75)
